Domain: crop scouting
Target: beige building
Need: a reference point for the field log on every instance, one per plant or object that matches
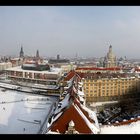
(103, 88)
(5, 65)
(68, 67)
(16, 61)
(110, 59)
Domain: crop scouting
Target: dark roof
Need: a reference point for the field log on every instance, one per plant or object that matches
(36, 67)
(53, 61)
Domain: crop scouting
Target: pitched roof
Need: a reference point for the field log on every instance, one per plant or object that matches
(71, 114)
(69, 75)
(73, 110)
(73, 73)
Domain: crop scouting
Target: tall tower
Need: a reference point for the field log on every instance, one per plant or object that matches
(110, 58)
(21, 53)
(37, 54)
(58, 57)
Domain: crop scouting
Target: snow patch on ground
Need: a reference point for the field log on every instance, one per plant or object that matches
(133, 128)
(22, 113)
(102, 103)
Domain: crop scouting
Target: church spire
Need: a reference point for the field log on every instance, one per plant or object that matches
(21, 52)
(37, 54)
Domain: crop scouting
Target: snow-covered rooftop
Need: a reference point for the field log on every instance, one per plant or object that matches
(80, 93)
(92, 115)
(92, 126)
(22, 113)
(52, 132)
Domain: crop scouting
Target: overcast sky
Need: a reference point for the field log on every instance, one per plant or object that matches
(67, 30)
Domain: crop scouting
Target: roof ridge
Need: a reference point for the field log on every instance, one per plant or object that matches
(86, 119)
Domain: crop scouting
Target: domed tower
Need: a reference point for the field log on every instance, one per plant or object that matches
(110, 53)
(110, 59)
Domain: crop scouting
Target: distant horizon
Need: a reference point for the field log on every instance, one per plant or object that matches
(86, 31)
(78, 57)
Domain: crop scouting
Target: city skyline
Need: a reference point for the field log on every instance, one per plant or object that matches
(69, 30)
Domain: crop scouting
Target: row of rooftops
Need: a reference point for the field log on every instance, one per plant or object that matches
(107, 69)
(72, 115)
(97, 68)
(107, 75)
(100, 75)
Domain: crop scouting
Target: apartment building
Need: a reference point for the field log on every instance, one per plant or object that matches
(103, 87)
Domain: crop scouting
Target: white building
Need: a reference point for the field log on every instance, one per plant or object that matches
(44, 77)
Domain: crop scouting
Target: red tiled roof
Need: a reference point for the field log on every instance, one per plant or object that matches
(103, 75)
(72, 74)
(62, 122)
(71, 113)
(69, 75)
(84, 112)
(136, 69)
(126, 122)
(95, 68)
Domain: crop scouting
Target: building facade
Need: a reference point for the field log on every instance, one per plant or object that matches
(34, 76)
(59, 61)
(104, 88)
(108, 86)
